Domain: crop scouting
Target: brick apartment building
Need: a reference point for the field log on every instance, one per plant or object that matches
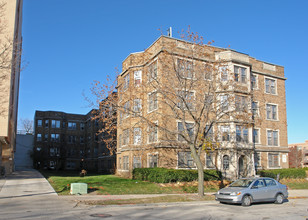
(258, 143)
(10, 57)
(70, 142)
(298, 155)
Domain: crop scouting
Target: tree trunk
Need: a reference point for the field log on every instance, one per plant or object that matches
(200, 171)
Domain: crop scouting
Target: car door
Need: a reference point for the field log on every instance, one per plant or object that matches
(258, 190)
(272, 188)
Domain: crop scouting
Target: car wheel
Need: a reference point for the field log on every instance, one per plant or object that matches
(279, 199)
(246, 201)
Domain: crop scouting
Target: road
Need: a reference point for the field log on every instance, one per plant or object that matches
(27, 195)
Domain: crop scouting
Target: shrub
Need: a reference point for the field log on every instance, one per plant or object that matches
(295, 173)
(163, 175)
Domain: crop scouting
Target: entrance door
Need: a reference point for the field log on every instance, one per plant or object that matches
(242, 166)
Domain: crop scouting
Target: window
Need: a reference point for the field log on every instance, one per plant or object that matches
(255, 109)
(126, 82)
(125, 163)
(81, 139)
(120, 163)
(208, 100)
(254, 81)
(153, 160)
(208, 73)
(270, 86)
(71, 139)
(46, 137)
(270, 182)
(185, 160)
(273, 160)
(225, 162)
(137, 135)
(240, 74)
(152, 134)
(224, 103)
(271, 112)
(39, 123)
(223, 70)
(186, 100)
(209, 160)
(210, 133)
(240, 103)
(185, 68)
(47, 123)
(55, 137)
(120, 140)
(137, 162)
(39, 137)
(259, 183)
(82, 126)
(137, 105)
(241, 134)
(225, 131)
(126, 137)
(152, 101)
(152, 72)
(257, 157)
(256, 136)
(181, 131)
(137, 77)
(272, 138)
(53, 151)
(55, 123)
(71, 125)
(126, 109)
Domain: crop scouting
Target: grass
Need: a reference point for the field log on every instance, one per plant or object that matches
(113, 185)
(295, 183)
(159, 199)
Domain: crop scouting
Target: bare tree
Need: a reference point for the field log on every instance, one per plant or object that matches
(27, 125)
(198, 97)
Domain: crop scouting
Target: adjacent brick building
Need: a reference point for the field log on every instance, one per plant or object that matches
(10, 57)
(298, 155)
(261, 143)
(70, 142)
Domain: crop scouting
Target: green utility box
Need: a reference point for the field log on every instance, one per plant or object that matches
(79, 188)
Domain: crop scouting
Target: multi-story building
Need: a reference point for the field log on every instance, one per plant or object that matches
(242, 84)
(70, 142)
(10, 56)
(298, 155)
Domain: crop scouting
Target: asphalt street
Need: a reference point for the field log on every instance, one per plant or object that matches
(27, 195)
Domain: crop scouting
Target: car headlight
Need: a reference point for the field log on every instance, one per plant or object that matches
(235, 194)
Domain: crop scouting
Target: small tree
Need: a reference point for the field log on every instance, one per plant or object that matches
(198, 94)
(27, 125)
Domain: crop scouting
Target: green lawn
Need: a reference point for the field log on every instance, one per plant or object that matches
(295, 183)
(113, 185)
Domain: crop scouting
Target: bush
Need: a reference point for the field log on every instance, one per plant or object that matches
(294, 173)
(163, 175)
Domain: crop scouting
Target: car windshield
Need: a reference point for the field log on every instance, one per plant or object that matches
(241, 183)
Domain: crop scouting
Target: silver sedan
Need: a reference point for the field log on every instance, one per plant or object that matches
(250, 190)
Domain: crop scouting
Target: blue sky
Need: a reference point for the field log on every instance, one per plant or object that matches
(69, 43)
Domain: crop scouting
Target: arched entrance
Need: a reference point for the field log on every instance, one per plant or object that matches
(242, 166)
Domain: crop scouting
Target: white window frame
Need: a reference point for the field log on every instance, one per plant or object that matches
(137, 76)
(257, 82)
(137, 138)
(223, 73)
(137, 106)
(273, 167)
(152, 75)
(125, 135)
(183, 72)
(272, 131)
(150, 133)
(271, 113)
(177, 126)
(212, 154)
(180, 104)
(257, 109)
(240, 77)
(126, 80)
(225, 128)
(271, 79)
(259, 135)
(149, 155)
(137, 160)
(155, 102)
(186, 160)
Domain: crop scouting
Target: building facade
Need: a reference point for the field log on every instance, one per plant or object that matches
(10, 59)
(298, 155)
(253, 137)
(69, 142)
